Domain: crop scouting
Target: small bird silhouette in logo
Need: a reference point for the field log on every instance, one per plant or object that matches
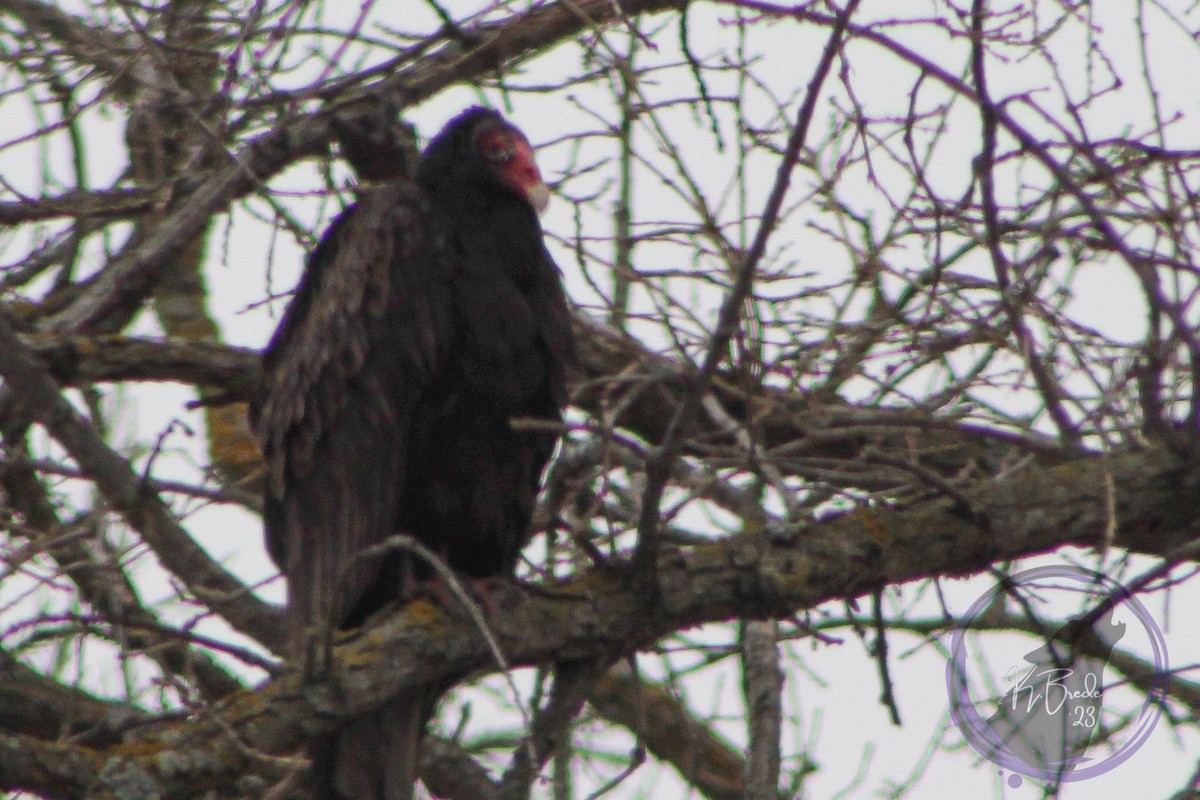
(1050, 715)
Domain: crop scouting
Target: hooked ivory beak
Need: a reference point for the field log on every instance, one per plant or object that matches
(539, 196)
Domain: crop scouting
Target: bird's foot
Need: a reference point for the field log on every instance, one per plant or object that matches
(466, 595)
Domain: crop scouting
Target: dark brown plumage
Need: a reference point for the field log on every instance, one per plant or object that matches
(429, 316)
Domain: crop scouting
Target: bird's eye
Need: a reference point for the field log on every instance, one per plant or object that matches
(500, 153)
(497, 146)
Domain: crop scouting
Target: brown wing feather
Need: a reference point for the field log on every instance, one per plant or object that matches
(425, 322)
(341, 376)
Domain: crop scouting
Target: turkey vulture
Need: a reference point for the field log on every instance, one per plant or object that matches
(429, 316)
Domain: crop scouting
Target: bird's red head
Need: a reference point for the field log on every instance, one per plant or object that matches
(506, 150)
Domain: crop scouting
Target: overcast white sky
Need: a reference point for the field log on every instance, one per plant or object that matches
(833, 689)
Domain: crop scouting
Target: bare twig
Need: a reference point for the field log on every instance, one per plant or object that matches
(143, 510)
(658, 468)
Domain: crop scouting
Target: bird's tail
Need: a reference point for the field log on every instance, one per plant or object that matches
(374, 757)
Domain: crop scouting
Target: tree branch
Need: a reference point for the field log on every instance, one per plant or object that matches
(127, 278)
(52, 769)
(128, 496)
(78, 204)
(658, 468)
(89, 45)
(1034, 510)
(671, 733)
(572, 683)
(614, 363)
(762, 685)
(33, 705)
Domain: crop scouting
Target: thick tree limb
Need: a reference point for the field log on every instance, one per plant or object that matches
(78, 204)
(762, 687)
(74, 360)
(89, 45)
(572, 683)
(128, 496)
(1030, 511)
(52, 769)
(33, 705)
(451, 773)
(104, 585)
(670, 733)
(128, 277)
(614, 364)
